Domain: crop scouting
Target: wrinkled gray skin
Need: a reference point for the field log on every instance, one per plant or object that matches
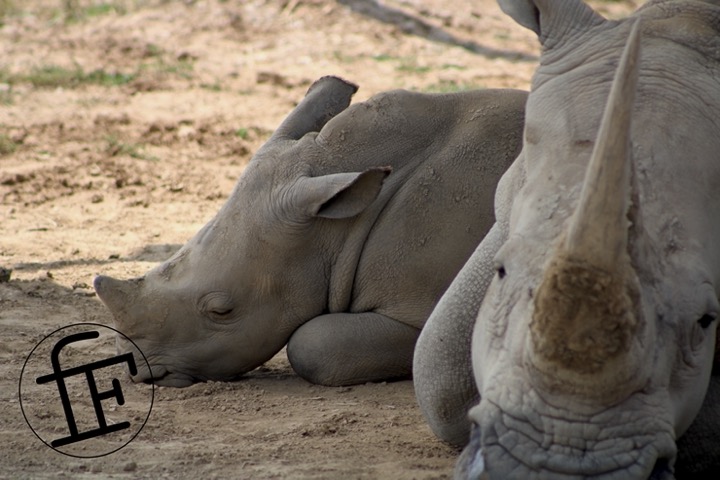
(340, 236)
(593, 345)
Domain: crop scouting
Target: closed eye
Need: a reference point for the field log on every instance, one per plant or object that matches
(216, 305)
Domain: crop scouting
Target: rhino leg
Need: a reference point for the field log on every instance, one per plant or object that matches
(350, 348)
(442, 371)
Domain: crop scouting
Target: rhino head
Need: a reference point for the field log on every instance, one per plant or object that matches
(230, 298)
(593, 347)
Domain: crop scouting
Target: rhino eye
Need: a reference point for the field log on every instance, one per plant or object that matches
(216, 305)
(707, 320)
(501, 271)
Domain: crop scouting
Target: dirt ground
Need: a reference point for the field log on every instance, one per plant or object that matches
(123, 127)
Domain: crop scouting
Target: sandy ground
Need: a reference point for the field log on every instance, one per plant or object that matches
(123, 127)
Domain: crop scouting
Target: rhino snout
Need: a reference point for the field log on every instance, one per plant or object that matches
(104, 285)
(116, 293)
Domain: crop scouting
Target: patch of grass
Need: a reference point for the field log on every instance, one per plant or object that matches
(213, 87)
(52, 76)
(242, 133)
(7, 145)
(344, 58)
(74, 11)
(450, 86)
(103, 9)
(7, 8)
(406, 64)
(452, 66)
(116, 147)
(153, 50)
(183, 68)
(6, 96)
(412, 68)
(101, 77)
(384, 58)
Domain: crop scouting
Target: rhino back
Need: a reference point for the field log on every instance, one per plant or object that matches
(440, 203)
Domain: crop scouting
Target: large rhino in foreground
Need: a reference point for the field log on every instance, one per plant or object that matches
(340, 236)
(593, 300)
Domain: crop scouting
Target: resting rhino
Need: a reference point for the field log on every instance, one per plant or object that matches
(321, 247)
(593, 300)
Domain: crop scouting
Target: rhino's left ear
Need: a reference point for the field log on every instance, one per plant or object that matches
(554, 21)
(339, 195)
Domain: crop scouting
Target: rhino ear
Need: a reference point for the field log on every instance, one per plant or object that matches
(339, 195)
(554, 21)
(325, 98)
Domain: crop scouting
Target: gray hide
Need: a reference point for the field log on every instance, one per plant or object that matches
(340, 236)
(593, 300)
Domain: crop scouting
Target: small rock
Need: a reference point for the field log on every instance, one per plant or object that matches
(84, 294)
(5, 274)
(130, 467)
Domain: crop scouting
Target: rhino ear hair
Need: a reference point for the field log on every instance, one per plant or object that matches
(552, 20)
(339, 195)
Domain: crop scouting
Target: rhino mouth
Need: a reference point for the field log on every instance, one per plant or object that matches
(149, 371)
(610, 446)
(159, 375)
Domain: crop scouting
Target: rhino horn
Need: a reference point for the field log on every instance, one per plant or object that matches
(117, 295)
(598, 230)
(586, 310)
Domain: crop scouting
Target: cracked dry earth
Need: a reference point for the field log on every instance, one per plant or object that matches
(123, 128)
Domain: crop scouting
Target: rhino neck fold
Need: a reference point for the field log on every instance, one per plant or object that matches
(344, 268)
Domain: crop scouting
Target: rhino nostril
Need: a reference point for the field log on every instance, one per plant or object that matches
(661, 470)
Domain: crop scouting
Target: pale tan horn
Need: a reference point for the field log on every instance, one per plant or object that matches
(598, 230)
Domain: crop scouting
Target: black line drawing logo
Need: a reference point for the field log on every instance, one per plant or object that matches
(88, 400)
